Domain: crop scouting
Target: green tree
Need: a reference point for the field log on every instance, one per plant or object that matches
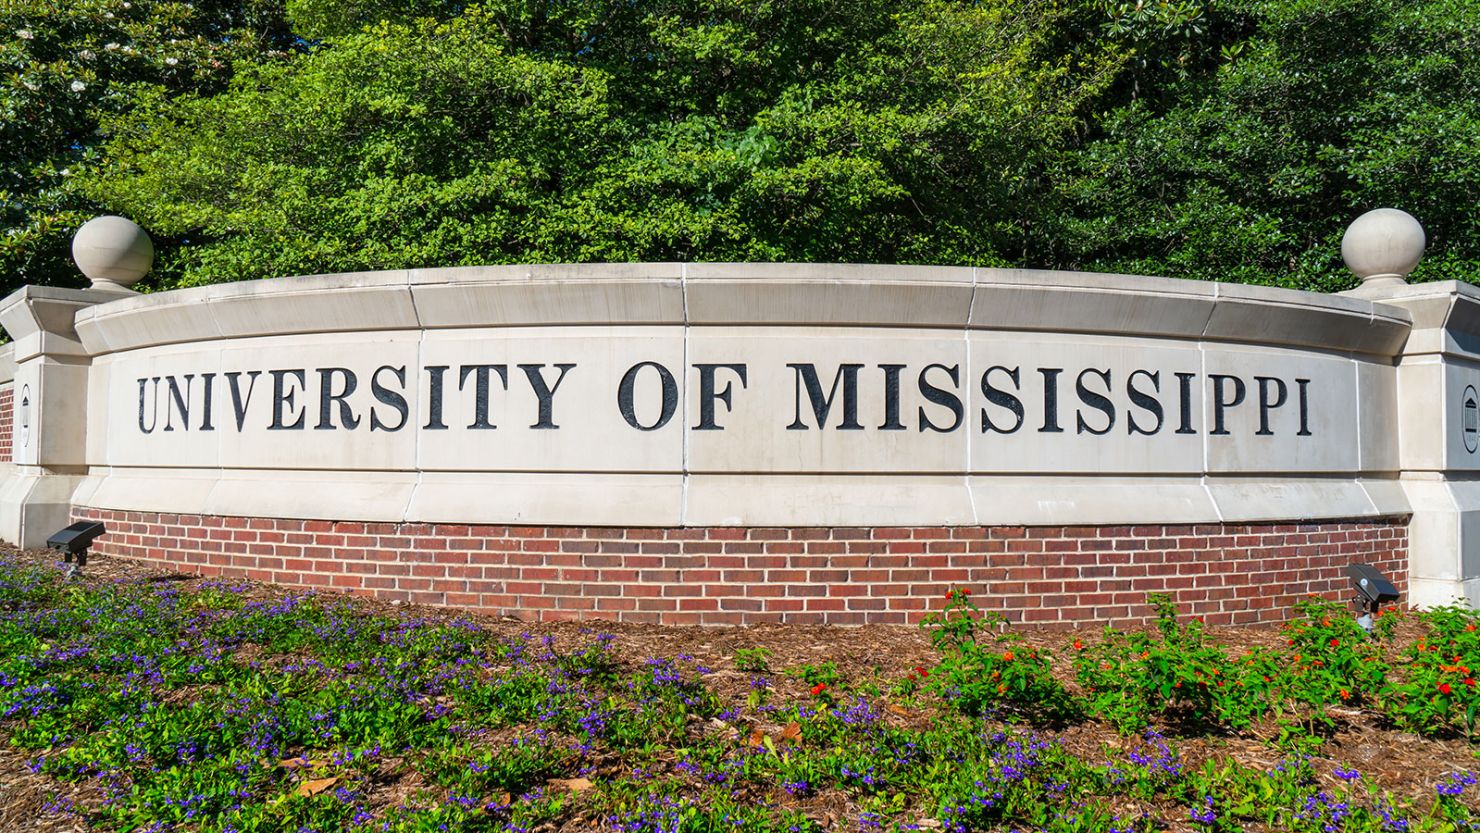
(1211, 139)
(64, 66)
(1283, 121)
(860, 130)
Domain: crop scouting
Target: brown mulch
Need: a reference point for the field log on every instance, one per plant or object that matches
(1399, 763)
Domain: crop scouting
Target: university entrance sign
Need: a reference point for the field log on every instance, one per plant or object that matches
(749, 395)
(536, 406)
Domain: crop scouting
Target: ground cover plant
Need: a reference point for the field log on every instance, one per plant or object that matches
(135, 701)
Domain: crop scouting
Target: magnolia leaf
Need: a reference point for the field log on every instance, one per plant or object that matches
(311, 788)
(299, 763)
(575, 785)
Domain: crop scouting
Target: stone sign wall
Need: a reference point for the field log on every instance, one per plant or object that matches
(742, 442)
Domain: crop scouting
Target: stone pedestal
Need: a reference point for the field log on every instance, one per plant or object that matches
(1439, 436)
(49, 416)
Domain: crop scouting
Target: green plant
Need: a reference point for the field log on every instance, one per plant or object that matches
(754, 660)
(1332, 661)
(999, 672)
(1435, 689)
(1174, 672)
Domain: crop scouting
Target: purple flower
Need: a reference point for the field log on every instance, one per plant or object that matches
(1456, 784)
(1207, 816)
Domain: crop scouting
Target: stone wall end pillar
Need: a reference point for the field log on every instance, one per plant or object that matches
(1438, 432)
(43, 374)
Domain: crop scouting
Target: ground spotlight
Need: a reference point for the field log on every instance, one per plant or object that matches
(1373, 590)
(73, 542)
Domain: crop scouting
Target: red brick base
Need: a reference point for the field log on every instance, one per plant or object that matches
(7, 421)
(1226, 573)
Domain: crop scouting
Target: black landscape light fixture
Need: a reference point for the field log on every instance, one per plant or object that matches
(73, 542)
(1373, 591)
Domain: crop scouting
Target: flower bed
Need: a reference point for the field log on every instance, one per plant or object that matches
(136, 701)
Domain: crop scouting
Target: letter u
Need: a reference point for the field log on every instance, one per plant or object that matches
(154, 405)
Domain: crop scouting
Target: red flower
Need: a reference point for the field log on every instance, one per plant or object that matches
(921, 671)
(1444, 688)
(1007, 656)
(1335, 642)
(1470, 681)
(818, 689)
(1078, 646)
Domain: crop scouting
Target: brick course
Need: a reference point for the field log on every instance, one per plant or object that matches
(1226, 573)
(7, 421)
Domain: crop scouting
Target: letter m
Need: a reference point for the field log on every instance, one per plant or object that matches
(806, 377)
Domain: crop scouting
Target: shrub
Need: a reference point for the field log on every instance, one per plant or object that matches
(1173, 672)
(1436, 690)
(982, 671)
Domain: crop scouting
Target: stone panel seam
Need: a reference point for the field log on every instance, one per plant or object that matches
(686, 475)
(966, 398)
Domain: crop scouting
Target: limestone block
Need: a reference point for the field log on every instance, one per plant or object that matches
(1073, 501)
(146, 320)
(825, 294)
(1313, 427)
(1437, 539)
(581, 427)
(1377, 415)
(1458, 417)
(34, 505)
(1027, 299)
(150, 407)
(297, 419)
(769, 421)
(357, 301)
(826, 500)
(7, 364)
(100, 417)
(530, 498)
(39, 320)
(337, 495)
(1064, 404)
(511, 296)
(49, 427)
(1422, 433)
(172, 490)
(1387, 497)
(310, 402)
(1269, 315)
(1246, 500)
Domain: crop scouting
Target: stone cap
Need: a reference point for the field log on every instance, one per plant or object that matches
(745, 294)
(1382, 247)
(113, 252)
(41, 319)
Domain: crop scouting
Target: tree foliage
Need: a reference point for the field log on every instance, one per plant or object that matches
(819, 130)
(1249, 167)
(65, 65)
(1215, 139)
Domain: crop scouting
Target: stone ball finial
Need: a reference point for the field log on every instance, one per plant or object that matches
(1383, 246)
(113, 252)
